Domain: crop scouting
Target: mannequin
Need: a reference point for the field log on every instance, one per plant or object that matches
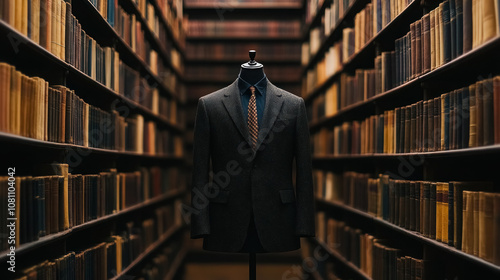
(254, 202)
(252, 71)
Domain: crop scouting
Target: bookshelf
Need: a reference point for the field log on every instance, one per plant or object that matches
(155, 66)
(334, 117)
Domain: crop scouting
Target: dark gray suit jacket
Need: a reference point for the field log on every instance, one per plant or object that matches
(230, 179)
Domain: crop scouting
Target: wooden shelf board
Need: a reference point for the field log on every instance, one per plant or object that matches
(8, 137)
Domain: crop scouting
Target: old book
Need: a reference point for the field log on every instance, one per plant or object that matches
(413, 127)
(488, 126)
(437, 123)
(488, 20)
(60, 169)
(426, 44)
(444, 212)
(459, 39)
(407, 135)
(453, 29)
(467, 25)
(479, 113)
(432, 35)
(418, 48)
(426, 209)
(496, 229)
(432, 212)
(439, 35)
(486, 226)
(445, 121)
(496, 110)
(468, 222)
(472, 116)
(413, 39)
(439, 209)
(459, 203)
(475, 197)
(430, 125)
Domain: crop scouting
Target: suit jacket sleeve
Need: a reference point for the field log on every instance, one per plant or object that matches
(304, 186)
(200, 224)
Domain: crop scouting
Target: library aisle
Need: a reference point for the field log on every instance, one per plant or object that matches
(145, 140)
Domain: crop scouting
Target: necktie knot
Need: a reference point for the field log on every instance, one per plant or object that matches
(252, 90)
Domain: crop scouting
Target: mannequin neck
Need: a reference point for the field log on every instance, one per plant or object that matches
(252, 76)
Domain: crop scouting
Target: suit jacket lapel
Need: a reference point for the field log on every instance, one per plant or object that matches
(232, 102)
(271, 111)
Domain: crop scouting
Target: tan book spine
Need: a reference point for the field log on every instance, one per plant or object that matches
(5, 80)
(62, 41)
(15, 101)
(489, 21)
(479, 113)
(468, 223)
(35, 21)
(441, 34)
(439, 205)
(472, 117)
(475, 197)
(432, 20)
(486, 226)
(53, 31)
(24, 16)
(444, 213)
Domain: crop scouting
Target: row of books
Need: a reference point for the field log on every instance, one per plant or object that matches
(32, 108)
(56, 29)
(463, 118)
(239, 51)
(104, 260)
(237, 29)
(224, 73)
(367, 23)
(161, 264)
(437, 38)
(173, 13)
(373, 256)
(53, 200)
(462, 214)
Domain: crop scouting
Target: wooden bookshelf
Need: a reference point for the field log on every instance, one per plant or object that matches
(154, 39)
(33, 60)
(101, 28)
(74, 74)
(409, 234)
(479, 63)
(59, 236)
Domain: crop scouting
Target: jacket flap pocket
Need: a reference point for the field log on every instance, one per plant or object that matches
(287, 196)
(221, 197)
